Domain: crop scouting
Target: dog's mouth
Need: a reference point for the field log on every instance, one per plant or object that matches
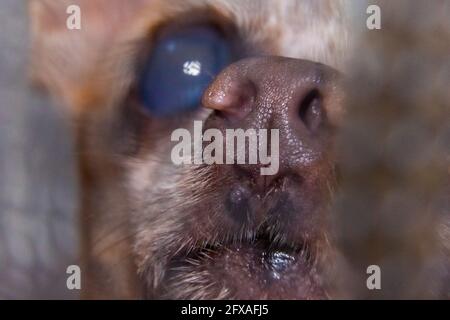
(257, 269)
(257, 243)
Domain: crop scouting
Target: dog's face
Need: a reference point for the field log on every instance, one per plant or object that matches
(225, 230)
(206, 230)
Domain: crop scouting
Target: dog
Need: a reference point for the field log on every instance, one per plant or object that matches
(138, 70)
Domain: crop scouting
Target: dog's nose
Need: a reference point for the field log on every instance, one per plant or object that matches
(295, 97)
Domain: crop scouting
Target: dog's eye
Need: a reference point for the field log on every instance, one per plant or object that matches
(181, 66)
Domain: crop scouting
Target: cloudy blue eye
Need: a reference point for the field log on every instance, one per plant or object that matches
(181, 66)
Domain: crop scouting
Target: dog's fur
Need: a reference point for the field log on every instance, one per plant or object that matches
(127, 180)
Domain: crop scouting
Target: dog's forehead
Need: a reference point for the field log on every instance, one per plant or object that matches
(309, 29)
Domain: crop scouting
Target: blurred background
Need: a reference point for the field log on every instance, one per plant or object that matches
(37, 179)
(38, 185)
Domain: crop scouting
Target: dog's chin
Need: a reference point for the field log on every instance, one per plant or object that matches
(255, 269)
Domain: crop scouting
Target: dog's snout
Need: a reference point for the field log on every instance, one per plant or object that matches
(279, 89)
(288, 95)
(293, 97)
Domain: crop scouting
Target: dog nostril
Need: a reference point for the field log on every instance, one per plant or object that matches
(233, 100)
(311, 110)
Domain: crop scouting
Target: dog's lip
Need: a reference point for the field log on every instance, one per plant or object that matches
(272, 260)
(273, 253)
(258, 269)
